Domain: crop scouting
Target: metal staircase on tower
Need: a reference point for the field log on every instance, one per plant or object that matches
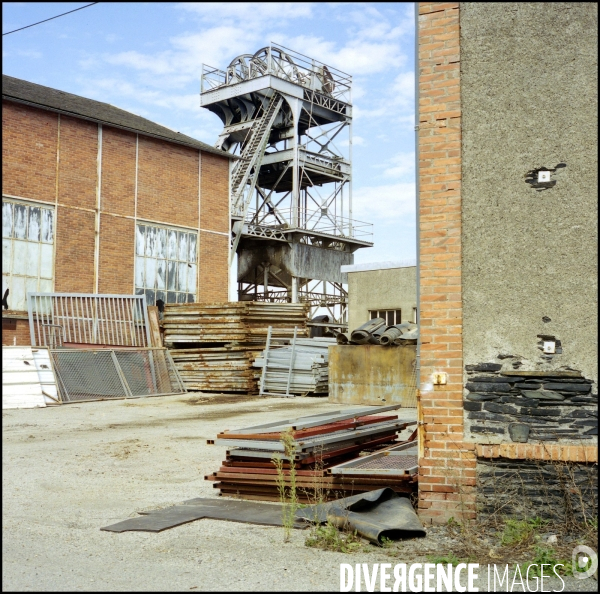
(242, 182)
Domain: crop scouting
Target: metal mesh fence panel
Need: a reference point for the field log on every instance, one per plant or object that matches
(90, 374)
(148, 373)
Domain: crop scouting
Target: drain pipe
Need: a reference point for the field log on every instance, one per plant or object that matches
(420, 426)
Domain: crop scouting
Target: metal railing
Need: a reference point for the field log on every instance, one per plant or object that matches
(56, 319)
(106, 374)
(282, 62)
(320, 220)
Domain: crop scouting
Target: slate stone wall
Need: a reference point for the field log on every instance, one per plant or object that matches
(525, 489)
(529, 406)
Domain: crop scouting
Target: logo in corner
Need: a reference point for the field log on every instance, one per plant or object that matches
(585, 562)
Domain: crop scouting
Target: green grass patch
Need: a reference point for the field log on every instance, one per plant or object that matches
(330, 538)
(519, 531)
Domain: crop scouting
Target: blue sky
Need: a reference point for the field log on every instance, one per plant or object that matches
(146, 58)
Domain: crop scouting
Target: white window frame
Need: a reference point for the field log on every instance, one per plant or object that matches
(27, 277)
(393, 315)
(150, 252)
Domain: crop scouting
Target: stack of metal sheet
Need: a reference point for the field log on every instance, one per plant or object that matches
(217, 369)
(213, 345)
(321, 442)
(243, 322)
(300, 367)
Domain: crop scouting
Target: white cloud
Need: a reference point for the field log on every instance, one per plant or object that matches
(115, 91)
(356, 57)
(356, 141)
(373, 23)
(248, 12)
(387, 203)
(400, 165)
(183, 62)
(404, 88)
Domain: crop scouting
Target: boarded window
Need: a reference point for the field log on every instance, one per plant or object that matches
(166, 266)
(27, 251)
(391, 316)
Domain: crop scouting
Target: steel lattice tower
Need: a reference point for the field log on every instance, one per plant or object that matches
(289, 120)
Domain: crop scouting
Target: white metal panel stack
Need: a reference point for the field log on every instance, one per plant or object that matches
(300, 367)
(28, 379)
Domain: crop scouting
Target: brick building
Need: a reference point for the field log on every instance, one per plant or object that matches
(98, 200)
(507, 272)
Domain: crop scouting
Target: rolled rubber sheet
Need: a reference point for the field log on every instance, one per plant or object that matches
(373, 515)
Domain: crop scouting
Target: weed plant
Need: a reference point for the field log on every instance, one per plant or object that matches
(286, 485)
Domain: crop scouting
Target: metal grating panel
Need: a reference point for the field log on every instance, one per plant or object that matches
(90, 374)
(80, 318)
(400, 459)
(388, 462)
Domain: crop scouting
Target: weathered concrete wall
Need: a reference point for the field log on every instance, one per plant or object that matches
(529, 101)
(394, 288)
(373, 375)
(297, 259)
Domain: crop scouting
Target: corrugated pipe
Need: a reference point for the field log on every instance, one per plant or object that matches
(375, 336)
(395, 334)
(363, 333)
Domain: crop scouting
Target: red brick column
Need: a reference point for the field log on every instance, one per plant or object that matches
(447, 464)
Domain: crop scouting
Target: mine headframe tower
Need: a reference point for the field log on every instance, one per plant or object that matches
(289, 120)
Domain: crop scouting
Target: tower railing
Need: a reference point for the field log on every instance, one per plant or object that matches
(310, 220)
(282, 62)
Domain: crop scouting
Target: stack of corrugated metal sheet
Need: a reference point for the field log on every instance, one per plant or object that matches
(213, 345)
(244, 322)
(217, 369)
(298, 368)
(321, 442)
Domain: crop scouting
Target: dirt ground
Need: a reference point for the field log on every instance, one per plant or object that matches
(69, 470)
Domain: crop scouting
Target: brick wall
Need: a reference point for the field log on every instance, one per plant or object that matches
(213, 260)
(168, 192)
(15, 332)
(78, 163)
(118, 171)
(167, 182)
(117, 236)
(29, 138)
(447, 466)
(74, 252)
(214, 213)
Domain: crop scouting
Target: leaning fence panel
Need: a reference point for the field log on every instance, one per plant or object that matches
(88, 375)
(105, 374)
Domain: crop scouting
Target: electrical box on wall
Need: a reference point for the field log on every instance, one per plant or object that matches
(440, 378)
(543, 176)
(549, 346)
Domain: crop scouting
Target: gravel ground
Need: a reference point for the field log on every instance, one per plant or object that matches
(69, 470)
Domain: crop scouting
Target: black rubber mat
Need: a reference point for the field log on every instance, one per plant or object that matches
(247, 512)
(373, 515)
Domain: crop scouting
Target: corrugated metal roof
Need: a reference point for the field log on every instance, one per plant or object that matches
(22, 91)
